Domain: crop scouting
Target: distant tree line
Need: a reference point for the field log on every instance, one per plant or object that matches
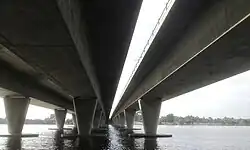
(171, 119)
(49, 120)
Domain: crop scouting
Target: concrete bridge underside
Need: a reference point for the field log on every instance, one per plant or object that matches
(57, 50)
(60, 51)
(198, 44)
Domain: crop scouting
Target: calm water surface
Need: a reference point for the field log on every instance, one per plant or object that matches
(184, 138)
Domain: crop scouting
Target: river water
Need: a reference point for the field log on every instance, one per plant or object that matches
(184, 138)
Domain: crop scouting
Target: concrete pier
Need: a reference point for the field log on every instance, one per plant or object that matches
(84, 109)
(74, 120)
(102, 122)
(150, 113)
(60, 115)
(97, 118)
(16, 107)
(122, 119)
(130, 115)
(116, 120)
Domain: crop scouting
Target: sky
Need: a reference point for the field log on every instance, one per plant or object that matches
(230, 97)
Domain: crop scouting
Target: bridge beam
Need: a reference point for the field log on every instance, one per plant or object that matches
(218, 30)
(60, 115)
(84, 109)
(150, 113)
(16, 107)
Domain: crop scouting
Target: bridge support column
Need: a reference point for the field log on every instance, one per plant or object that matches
(150, 113)
(130, 115)
(84, 109)
(116, 120)
(102, 120)
(75, 124)
(96, 122)
(122, 119)
(74, 119)
(16, 107)
(60, 115)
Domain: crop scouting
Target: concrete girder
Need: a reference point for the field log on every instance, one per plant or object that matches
(218, 30)
(89, 36)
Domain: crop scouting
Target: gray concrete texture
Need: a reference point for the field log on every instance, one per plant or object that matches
(102, 121)
(55, 51)
(189, 63)
(16, 107)
(97, 118)
(130, 117)
(60, 118)
(122, 120)
(74, 120)
(85, 110)
(150, 113)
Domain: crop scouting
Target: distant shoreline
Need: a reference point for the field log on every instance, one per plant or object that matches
(159, 124)
(193, 124)
(47, 121)
(35, 124)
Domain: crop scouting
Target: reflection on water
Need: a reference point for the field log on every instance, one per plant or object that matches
(150, 144)
(13, 143)
(58, 141)
(184, 138)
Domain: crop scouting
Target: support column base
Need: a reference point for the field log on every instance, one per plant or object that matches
(142, 135)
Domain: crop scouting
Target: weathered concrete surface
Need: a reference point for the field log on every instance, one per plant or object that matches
(74, 120)
(16, 107)
(115, 121)
(189, 62)
(28, 82)
(130, 117)
(84, 109)
(60, 118)
(92, 44)
(118, 120)
(102, 121)
(122, 120)
(150, 113)
(56, 51)
(97, 118)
